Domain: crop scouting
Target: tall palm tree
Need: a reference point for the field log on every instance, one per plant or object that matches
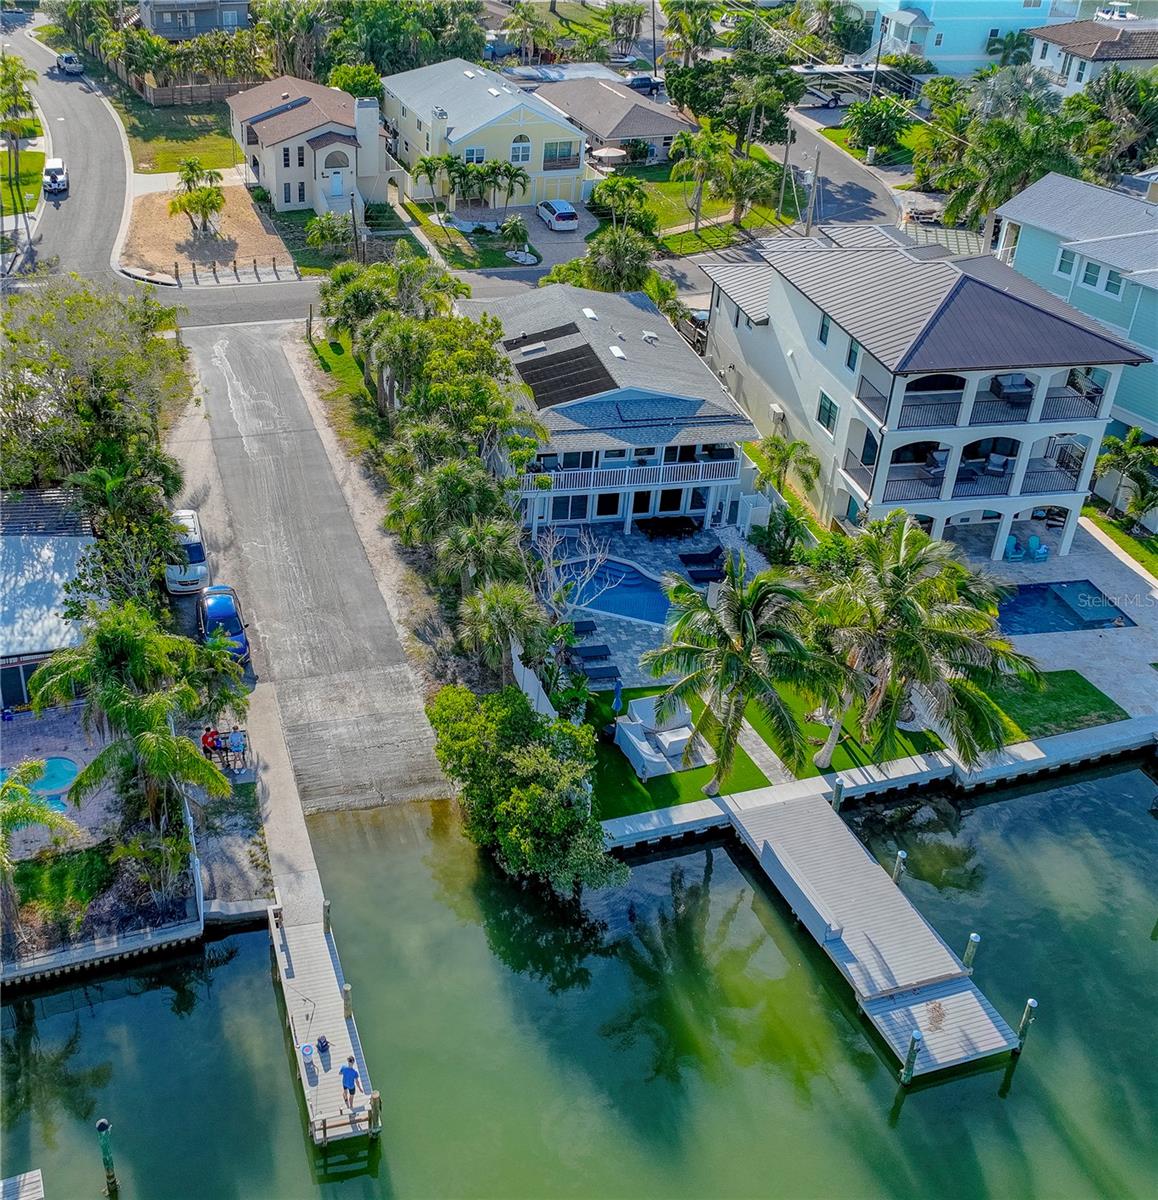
(912, 622)
(450, 493)
(481, 549)
(513, 179)
(784, 455)
(699, 157)
(1143, 498)
(1012, 91)
(623, 194)
(192, 174)
(618, 260)
(940, 141)
(495, 613)
(745, 182)
(21, 806)
(490, 176)
(431, 167)
(15, 107)
(1131, 457)
(1014, 48)
(741, 650)
(523, 26)
(690, 31)
(394, 347)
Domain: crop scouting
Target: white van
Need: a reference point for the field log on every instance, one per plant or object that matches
(193, 575)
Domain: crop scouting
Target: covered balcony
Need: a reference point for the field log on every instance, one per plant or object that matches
(1055, 466)
(916, 472)
(873, 398)
(674, 465)
(860, 459)
(987, 468)
(932, 401)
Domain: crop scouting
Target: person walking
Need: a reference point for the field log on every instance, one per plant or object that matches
(351, 1079)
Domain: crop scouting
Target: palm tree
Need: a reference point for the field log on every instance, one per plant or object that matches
(741, 650)
(119, 493)
(880, 122)
(664, 293)
(1012, 91)
(822, 17)
(699, 158)
(911, 620)
(330, 231)
(690, 31)
(940, 141)
(514, 232)
(192, 175)
(1131, 457)
(431, 167)
(523, 26)
(490, 176)
(179, 204)
(1144, 498)
(394, 346)
(15, 108)
(450, 493)
(495, 613)
(1012, 49)
(754, 94)
(745, 182)
(618, 260)
(22, 806)
(783, 456)
(205, 203)
(513, 179)
(623, 194)
(482, 549)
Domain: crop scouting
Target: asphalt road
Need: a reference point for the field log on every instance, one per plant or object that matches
(349, 704)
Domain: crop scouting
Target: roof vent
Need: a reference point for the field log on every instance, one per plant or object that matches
(469, 74)
(617, 351)
(493, 91)
(534, 348)
(650, 336)
(589, 313)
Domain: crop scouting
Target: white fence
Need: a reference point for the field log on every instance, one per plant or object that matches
(529, 683)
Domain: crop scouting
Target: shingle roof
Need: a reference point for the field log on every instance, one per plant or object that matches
(1103, 41)
(1075, 210)
(471, 95)
(1130, 253)
(612, 111)
(288, 107)
(329, 138)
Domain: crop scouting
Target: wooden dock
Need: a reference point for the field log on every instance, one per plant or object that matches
(28, 1186)
(313, 986)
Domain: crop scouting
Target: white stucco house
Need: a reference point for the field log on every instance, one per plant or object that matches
(1074, 54)
(310, 146)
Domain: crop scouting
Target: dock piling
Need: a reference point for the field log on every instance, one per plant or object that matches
(971, 950)
(375, 1113)
(326, 915)
(837, 794)
(915, 1039)
(1027, 1019)
(104, 1130)
(347, 1003)
(899, 865)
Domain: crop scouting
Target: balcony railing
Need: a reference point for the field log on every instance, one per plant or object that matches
(935, 409)
(872, 398)
(984, 485)
(861, 474)
(911, 487)
(1049, 479)
(989, 409)
(1068, 404)
(661, 475)
(561, 164)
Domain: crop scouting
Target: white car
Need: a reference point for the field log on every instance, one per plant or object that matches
(69, 63)
(193, 575)
(55, 177)
(558, 215)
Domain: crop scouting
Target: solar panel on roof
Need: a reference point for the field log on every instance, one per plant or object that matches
(547, 335)
(568, 375)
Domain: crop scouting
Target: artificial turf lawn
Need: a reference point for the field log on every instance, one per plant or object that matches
(1066, 701)
(63, 885)
(25, 195)
(620, 792)
(1142, 549)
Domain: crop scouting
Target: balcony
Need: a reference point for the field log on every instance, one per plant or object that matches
(562, 164)
(928, 410)
(872, 398)
(971, 482)
(911, 482)
(1047, 475)
(630, 478)
(1068, 404)
(859, 473)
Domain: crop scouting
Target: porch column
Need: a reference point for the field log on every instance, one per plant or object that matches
(628, 502)
(1004, 528)
(1038, 402)
(968, 397)
(1020, 466)
(951, 469)
(1070, 528)
(938, 528)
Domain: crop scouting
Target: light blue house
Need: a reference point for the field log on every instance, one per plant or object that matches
(1098, 250)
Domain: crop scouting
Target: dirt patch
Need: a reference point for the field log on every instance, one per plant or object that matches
(157, 240)
(232, 847)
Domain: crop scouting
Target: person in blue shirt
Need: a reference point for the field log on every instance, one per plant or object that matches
(350, 1080)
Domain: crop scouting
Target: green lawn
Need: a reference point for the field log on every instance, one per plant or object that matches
(26, 193)
(349, 403)
(796, 501)
(62, 886)
(1143, 550)
(619, 791)
(1065, 702)
(570, 19)
(462, 253)
(667, 196)
(291, 228)
(900, 156)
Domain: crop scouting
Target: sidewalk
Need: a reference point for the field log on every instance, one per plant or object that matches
(894, 178)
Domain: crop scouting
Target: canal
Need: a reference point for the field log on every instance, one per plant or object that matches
(678, 1036)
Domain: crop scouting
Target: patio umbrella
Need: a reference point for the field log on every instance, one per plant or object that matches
(617, 703)
(609, 154)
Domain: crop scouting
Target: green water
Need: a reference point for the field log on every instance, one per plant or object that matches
(675, 1037)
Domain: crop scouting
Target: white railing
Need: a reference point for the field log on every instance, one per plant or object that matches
(727, 470)
(530, 685)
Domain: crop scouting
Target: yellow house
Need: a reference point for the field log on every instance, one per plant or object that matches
(456, 107)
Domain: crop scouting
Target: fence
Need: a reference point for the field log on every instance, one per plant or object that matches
(529, 683)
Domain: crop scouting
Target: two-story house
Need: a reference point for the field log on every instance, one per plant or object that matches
(951, 387)
(1076, 52)
(637, 425)
(181, 19)
(311, 146)
(1097, 249)
(459, 108)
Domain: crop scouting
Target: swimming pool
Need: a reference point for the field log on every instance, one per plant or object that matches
(1059, 608)
(626, 592)
(59, 772)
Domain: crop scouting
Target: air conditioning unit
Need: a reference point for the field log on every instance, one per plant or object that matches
(777, 414)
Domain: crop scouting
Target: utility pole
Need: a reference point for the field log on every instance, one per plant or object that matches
(877, 59)
(784, 170)
(654, 45)
(812, 194)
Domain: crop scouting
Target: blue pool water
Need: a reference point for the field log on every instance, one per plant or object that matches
(59, 772)
(1059, 608)
(629, 593)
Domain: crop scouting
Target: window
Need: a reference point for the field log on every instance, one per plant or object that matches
(1067, 59)
(667, 141)
(938, 39)
(557, 154)
(285, 156)
(827, 412)
(994, 33)
(825, 327)
(609, 455)
(1090, 274)
(521, 149)
(1044, 53)
(671, 500)
(301, 156)
(1113, 283)
(644, 451)
(1065, 263)
(569, 508)
(576, 460)
(404, 110)
(301, 193)
(474, 154)
(418, 124)
(698, 500)
(285, 193)
(1080, 73)
(607, 504)
(850, 359)
(167, 18)
(229, 19)
(1031, 3)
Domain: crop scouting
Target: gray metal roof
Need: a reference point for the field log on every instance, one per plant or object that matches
(1077, 211)
(612, 111)
(745, 284)
(53, 512)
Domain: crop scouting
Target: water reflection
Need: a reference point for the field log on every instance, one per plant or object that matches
(187, 978)
(929, 832)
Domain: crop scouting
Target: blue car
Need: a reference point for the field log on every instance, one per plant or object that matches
(218, 609)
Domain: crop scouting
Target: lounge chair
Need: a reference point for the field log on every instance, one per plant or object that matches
(702, 558)
(590, 653)
(1037, 550)
(1014, 550)
(598, 674)
(705, 574)
(583, 628)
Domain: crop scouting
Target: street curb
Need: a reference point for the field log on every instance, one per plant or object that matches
(818, 130)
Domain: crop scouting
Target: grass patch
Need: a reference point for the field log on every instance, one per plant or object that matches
(1066, 701)
(1143, 549)
(349, 403)
(666, 196)
(620, 792)
(62, 886)
(571, 19)
(22, 194)
(54, 37)
(900, 155)
(463, 253)
(796, 502)
(291, 228)
(29, 127)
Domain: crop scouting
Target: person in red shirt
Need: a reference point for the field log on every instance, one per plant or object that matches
(209, 742)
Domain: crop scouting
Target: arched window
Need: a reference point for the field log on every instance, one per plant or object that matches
(521, 149)
(335, 159)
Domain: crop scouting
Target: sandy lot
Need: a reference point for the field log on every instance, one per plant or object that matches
(156, 240)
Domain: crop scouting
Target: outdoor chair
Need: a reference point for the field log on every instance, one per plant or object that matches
(583, 628)
(595, 674)
(705, 574)
(997, 464)
(1037, 550)
(1014, 550)
(702, 558)
(590, 653)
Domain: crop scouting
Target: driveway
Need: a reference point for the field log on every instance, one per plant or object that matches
(349, 705)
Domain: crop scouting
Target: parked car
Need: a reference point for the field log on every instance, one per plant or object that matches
(55, 177)
(558, 214)
(218, 608)
(647, 84)
(69, 63)
(828, 97)
(193, 575)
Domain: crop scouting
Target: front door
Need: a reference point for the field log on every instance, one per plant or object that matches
(336, 183)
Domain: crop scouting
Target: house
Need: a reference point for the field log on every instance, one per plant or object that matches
(180, 19)
(1076, 52)
(310, 146)
(42, 538)
(612, 114)
(456, 107)
(1096, 249)
(637, 426)
(948, 386)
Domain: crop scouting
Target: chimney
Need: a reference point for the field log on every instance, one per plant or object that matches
(366, 124)
(438, 119)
